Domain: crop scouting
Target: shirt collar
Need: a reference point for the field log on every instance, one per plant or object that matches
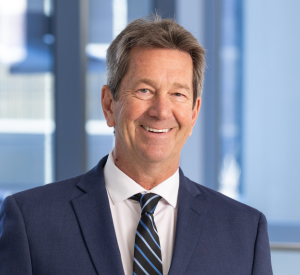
(121, 187)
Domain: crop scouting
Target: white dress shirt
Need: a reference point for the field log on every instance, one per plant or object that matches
(126, 213)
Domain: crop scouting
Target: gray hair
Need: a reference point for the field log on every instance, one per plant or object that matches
(153, 32)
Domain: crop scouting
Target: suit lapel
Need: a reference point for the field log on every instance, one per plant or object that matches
(94, 216)
(190, 220)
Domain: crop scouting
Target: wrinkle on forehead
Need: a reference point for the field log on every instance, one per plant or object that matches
(140, 64)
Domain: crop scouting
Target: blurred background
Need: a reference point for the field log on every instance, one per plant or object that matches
(245, 143)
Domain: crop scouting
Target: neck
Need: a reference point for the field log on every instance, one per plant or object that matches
(145, 173)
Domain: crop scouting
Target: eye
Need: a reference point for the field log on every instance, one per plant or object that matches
(179, 97)
(178, 94)
(144, 91)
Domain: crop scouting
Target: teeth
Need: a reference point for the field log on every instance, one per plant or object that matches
(156, 130)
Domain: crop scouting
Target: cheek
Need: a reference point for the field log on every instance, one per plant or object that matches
(184, 116)
(131, 110)
(137, 107)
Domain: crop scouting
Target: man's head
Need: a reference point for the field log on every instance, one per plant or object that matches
(153, 32)
(155, 77)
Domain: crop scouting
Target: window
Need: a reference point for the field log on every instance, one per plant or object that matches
(26, 95)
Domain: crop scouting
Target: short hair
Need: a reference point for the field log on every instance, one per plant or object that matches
(153, 32)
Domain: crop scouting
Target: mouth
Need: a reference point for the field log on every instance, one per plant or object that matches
(153, 130)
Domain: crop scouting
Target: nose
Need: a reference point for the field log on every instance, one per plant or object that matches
(161, 107)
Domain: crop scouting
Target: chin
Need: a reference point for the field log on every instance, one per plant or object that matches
(155, 155)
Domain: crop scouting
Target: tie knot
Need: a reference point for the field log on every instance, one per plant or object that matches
(148, 201)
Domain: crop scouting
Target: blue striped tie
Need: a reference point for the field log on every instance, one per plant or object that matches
(147, 251)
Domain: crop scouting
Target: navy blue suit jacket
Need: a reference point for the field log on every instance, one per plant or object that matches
(67, 228)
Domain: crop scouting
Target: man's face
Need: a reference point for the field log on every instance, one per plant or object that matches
(153, 115)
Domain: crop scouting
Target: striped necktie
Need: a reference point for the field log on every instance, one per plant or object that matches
(147, 251)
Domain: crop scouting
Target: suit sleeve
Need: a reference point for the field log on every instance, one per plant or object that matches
(14, 247)
(262, 256)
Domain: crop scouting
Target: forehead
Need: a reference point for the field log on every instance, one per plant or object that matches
(160, 64)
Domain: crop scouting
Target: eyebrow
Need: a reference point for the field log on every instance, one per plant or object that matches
(181, 86)
(150, 82)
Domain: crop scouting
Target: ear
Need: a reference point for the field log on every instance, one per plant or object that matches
(107, 102)
(195, 112)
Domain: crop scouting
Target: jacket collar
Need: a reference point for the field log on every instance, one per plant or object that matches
(94, 216)
(190, 220)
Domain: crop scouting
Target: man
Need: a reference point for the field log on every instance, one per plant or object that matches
(135, 212)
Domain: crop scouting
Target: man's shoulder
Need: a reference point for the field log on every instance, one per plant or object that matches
(49, 193)
(62, 190)
(219, 204)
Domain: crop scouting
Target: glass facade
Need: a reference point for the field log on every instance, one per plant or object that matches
(230, 128)
(103, 27)
(26, 95)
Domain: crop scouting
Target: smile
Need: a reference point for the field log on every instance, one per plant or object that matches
(149, 129)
